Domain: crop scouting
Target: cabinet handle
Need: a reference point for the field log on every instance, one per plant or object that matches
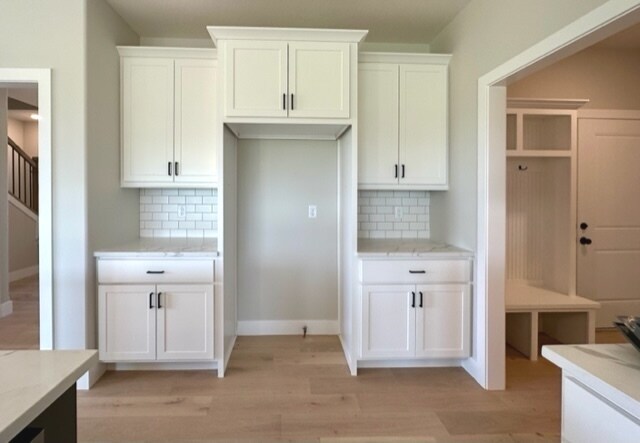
(150, 300)
(413, 299)
(175, 169)
(402, 171)
(169, 168)
(284, 102)
(155, 272)
(396, 166)
(159, 300)
(417, 272)
(421, 298)
(292, 102)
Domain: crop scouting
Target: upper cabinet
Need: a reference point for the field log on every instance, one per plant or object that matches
(169, 126)
(402, 121)
(286, 73)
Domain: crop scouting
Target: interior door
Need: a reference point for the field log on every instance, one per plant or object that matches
(609, 216)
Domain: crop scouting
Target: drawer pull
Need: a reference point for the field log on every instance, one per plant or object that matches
(159, 300)
(155, 272)
(421, 298)
(413, 299)
(417, 272)
(150, 300)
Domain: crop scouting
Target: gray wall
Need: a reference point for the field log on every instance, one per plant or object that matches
(608, 77)
(23, 243)
(484, 35)
(4, 207)
(287, 262)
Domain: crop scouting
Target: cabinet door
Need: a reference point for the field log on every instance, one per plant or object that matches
(388, 321)
(147, 120)
(127, 322)
(442, 321)
(377, 124)
(185, 322)
(255, 78)
(319, 80)
(423, 125)
(196, 127)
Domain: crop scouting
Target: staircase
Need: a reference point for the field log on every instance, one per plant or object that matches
(22, 176)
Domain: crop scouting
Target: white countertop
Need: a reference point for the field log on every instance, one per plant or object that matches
(32, 380)
(375, 248)
(611, 370)
(163, 247)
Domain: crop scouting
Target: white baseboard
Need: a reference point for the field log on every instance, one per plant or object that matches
(222, 365)
(288, 327)
(353, 367)
(609, 309)
(420, 363)
(6, 308)
(19, 274)
(90, 377)
(168, 366)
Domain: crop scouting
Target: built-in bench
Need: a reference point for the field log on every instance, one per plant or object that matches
(569, 319)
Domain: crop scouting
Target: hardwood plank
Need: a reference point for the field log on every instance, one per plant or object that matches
(151, 406)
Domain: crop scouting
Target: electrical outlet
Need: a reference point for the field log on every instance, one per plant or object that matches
(313, 211)
(182, 211)
(398, 212)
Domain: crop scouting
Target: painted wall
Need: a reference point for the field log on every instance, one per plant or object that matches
(4, 207)
(484, 35)
(25, 134)
(23, 240)
(112, 211)
(608, 77)
(287, 262)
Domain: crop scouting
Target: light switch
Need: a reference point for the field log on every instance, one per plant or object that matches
(313, 211)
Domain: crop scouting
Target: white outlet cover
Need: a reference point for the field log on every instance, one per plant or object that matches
(398, 212)
(182, 211)
(313, 211)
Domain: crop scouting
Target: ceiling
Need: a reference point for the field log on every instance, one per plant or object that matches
(390, 21)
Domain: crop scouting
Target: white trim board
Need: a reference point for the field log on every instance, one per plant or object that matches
(19, 274)
(613, 16)
(41, 77)
(288, 327)
(6, 308)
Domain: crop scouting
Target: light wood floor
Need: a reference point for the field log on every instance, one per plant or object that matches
(295, 389)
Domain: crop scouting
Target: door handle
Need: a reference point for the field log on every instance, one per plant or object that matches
(413, 299)
(585, 241)
(396, 166)
(159, 300)
(150, 300)
(402, 171)
(284, 102)
(421, 298)
(175, 168)
(583, 226)
(169, 168)
(292, 102)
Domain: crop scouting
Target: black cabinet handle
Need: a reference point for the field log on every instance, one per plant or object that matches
(402, 171)
(585, 241)
(421, 298)
(159, 300)
(284, 102)
(169, 168)
(176, 168)
(413, 299)
(292, 102)
(396, 166)
(417, 272)
(155, 272)
(150, 300)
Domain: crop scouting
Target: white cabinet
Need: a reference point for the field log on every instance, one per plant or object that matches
(415, 309)
(403, 118)
(169, 127)
(286, 79)
(139, 321)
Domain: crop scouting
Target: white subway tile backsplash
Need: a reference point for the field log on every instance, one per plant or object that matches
(377, 210)
(159, 213)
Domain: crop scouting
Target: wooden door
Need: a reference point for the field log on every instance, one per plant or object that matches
(378, 124)
(443, 321)
(608, 183)
(423, 126)
(255, 78)
(388, 321)
(185, 322)
(319, 80)
(127, 322)
(196, 127)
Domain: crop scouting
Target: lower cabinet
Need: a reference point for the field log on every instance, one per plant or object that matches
(155, 322)
(407, 321)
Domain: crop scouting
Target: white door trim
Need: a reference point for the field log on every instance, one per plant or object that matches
(42, 77)
(488, 362)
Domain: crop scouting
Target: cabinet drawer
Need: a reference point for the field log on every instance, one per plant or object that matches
(415, 271)
(155, 271)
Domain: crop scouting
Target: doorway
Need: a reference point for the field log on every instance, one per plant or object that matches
(39, 80)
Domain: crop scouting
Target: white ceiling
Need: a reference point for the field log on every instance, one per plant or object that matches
(392, 21)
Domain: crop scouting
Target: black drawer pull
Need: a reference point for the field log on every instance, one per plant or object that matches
(421, 298)
(159, 300)
(417, 272)
(150, 300)
(155, 272)
(413, 299)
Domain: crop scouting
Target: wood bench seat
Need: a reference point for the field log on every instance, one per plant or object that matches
(569, 319)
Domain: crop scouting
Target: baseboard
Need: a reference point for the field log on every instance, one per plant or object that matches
(152, 366)
(222, 365)
(609, 309)
(475, 370)
(288, 327)
(6, 308)
(353, 368)
(421, 363)
(90, 377)
(19, 274)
